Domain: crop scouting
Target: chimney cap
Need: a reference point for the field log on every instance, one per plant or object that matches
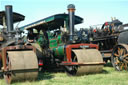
(71, 6)
(8, 6)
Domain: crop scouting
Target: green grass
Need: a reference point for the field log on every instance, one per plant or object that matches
(108, 77)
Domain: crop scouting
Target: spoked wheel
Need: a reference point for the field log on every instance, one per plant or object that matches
(120, 57)
(72, 70)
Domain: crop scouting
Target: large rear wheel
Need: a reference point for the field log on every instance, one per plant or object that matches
(120, 57)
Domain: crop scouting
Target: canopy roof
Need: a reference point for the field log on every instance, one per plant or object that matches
(51, 23)
(16, 17)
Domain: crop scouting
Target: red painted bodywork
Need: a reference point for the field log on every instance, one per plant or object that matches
(10, 48)
(69, 49)
(69, 57)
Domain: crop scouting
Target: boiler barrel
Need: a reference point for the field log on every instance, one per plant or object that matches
(59, 51)
(123, 37)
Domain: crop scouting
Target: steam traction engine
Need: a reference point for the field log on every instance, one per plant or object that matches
(112, 41)
(17, 61)
(57, 45)
(120, 51)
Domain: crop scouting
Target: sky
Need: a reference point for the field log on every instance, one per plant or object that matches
(92, 11)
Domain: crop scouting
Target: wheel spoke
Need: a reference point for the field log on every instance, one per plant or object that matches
(121, 66)
(126, 58)
(125, 55)
(116, 55)
(124, 52)
(125, 66)
(119, 51)
(125, 61)
(117, 61)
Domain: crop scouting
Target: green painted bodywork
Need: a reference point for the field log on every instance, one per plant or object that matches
(52, 26)
(41, 40)
(53, 43)
(57, 46)
(59, 39)
(59, 51)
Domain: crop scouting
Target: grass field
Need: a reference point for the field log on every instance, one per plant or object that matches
(108, 77)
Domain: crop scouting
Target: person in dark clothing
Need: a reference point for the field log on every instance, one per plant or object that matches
(30, 36)
(45, 35)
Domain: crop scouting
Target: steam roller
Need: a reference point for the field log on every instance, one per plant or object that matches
(59, 47)
(81, 57)
(18, 62)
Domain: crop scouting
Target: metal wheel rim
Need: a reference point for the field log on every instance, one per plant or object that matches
(120, 57)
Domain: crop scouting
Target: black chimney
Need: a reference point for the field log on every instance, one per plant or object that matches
(71, 12)
(9, 18)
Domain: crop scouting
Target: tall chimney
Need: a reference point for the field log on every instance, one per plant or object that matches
(9, 18)
(71, 12)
